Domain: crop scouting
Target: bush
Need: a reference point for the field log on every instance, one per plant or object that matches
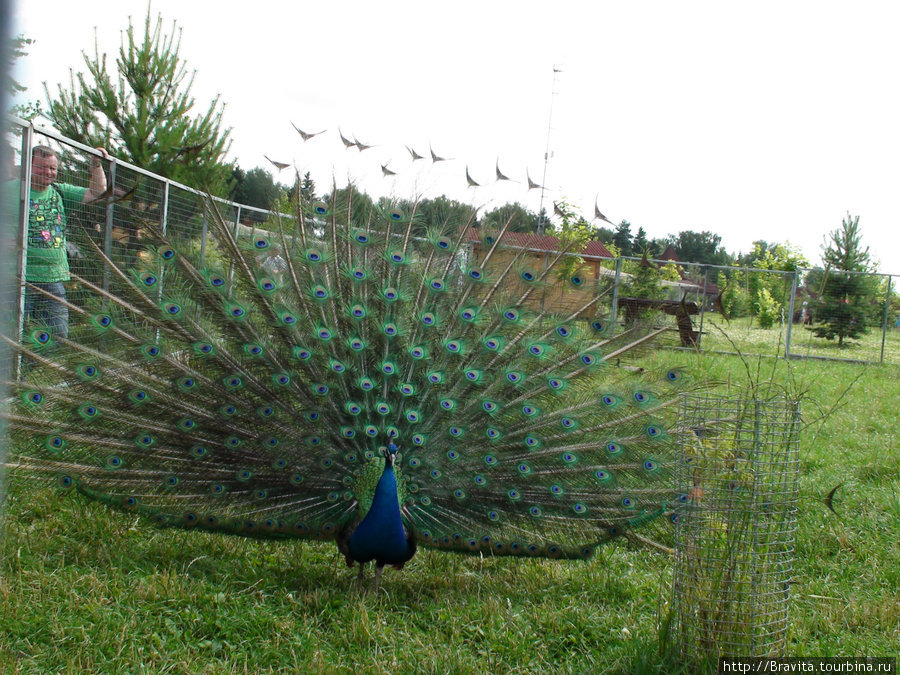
(768, 309)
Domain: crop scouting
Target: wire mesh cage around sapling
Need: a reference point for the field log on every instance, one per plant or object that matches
(734, 532)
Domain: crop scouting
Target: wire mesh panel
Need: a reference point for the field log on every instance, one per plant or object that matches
(734, 538)
(751, 311)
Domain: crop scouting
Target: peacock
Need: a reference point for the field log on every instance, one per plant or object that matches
(361, 372)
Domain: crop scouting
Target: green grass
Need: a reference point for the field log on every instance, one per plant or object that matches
(84, 589)
(751, 339)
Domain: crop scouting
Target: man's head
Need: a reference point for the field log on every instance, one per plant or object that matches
(44, 163)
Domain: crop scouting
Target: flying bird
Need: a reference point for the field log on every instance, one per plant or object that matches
(435, 157)
(500, 175)
(306, 135)
(531, 184)
(471, 181)
(599, 215)
(415, 155)
(361, 146)
(278, 165)
(346, 141)
(386, 171)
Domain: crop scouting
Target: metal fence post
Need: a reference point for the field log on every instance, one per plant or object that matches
(204, 233)
(702, 299)
(110, 215)
(884, 321)
(615, 296)
(790, 316)
(164, 208)
(22, 237)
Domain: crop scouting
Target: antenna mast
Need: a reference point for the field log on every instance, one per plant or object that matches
(557, 69)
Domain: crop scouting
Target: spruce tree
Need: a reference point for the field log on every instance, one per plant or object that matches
(843, 308)
(142, 111)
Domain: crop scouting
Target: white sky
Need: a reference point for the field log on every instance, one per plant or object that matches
(763, 120)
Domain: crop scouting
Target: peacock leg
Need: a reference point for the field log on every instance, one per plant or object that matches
(378, 570)
(362, 569)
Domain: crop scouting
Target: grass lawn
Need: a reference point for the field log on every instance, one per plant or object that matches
(751, 339)
(84, 589)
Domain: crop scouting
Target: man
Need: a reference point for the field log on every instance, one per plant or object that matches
(47, 265)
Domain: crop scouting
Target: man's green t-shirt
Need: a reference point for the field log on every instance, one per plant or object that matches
(47, 261)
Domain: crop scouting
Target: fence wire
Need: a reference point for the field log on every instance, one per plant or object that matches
(811, 313)
(734, 537)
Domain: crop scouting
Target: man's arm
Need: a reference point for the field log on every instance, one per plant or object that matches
(97, 185)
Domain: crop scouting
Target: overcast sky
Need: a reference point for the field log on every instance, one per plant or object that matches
(762, 120)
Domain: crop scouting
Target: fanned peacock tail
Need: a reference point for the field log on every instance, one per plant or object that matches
(251, 385)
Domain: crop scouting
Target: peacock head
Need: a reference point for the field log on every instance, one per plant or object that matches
(389, 453)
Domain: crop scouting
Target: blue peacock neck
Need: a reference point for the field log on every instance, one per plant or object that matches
(381, 535)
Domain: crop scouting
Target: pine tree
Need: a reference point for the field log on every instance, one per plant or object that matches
(308, 188)
(641, 243)
(142, 112)
(843, 307)
(622, 238)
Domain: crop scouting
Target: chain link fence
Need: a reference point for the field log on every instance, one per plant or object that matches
(811, 313)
